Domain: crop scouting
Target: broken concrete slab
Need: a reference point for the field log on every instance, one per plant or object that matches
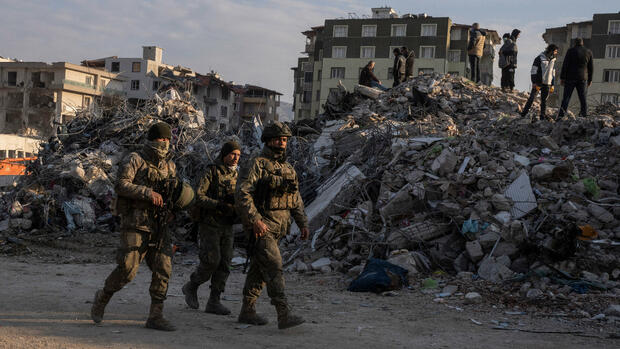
(406, 261)
(444, 163)
(492, 271)
(600, 213)
(474, 250)
(542, 171)
(522, 195)
(320, 263)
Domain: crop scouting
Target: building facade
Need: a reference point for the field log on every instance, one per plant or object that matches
(602, 36)
(339, 49)
(255, 101)
(37, 96)
(216, 99)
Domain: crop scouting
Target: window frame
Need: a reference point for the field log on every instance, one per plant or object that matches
(116, 64)
(456, 30)
(609, 25)
(369, 26)
(136, 87)
(608, 49)
(8, 78)
(610, 74)
(427, 46)
(393, 26)
(340, 26)
(333, 69)
(433, 25)
(133, 67)
(449, 56)
(374, 51)
(339, 47)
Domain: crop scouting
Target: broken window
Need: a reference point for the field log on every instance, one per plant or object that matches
(12, 78)
(116, 67)
(35, 77)
(337, 73)
(135, 85)
(225, 93)
(611, 75)
(155, 85)
(223, 111)
(135, 67)
(87, 101)
(429, 30)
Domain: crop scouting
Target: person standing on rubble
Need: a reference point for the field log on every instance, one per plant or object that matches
(543, 78)
(475, 49)
(409, 61)
(143, 189)
(266, 198)
(395, 67)
(576, 73)
(368, 77)
(215, 204)
(508, 62)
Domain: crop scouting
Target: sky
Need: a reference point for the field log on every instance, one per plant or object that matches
(254, 42)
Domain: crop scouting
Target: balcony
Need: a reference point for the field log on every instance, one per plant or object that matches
(209, 100)
(309, 48)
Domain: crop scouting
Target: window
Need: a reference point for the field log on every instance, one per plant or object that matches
(225, 93)
(610, 98)
(339, 52)
(369, 30)
(579, 31)
(454, 56)
(455, 34)
(3, 154)
(429, 30)
(135, 85)
(337, 73)
(422, 71)
(20, 154)
(392, 51)
(11, 154)
(86, 101)
(235, 106)
(12, 81)
(135, 67)
(454, 73)
(318, 95)
(390, 73)
(611, 75)
(103, 83)
(367, 52)
(116, 67)
(341, 31)
(223, 111)
(612, 51)
(308, 76)
(614, 27)
(89, 80)
(319, 75)
(399, 29)
(156, 85)
(307, 97)
(427, 51)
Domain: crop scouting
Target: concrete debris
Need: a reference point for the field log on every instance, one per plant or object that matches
(521, 193)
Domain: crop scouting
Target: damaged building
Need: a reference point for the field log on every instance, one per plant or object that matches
(35, 96)
(339, 49)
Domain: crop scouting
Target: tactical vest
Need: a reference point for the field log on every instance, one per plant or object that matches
(278, 187)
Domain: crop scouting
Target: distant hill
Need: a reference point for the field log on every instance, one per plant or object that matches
(285, 110)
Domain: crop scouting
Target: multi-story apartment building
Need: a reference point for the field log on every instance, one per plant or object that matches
(216, 99)
(252, 100)
(602, 36)
(339, 49)
(36, 96)
(143, 76)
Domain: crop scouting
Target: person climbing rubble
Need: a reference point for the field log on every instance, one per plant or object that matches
(543, 78)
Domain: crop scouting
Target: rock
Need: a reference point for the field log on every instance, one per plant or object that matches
(301, 267)
(615, 141)
(487, 240)
(355, 271)
(4, 225)
(503, 217)
(474, 250)
(500, 202)
(525, 287)
(20, 223)
(608, 185)
(504, 260)
(613, 310)
(483, 157)
(600, 213)
(533, 293)
(450, 209)
(522, 160)
(542, 171)
(444, 163)
(406, 261)
(506, 248)
(465, 275)
(338, 253)
(320, 263)
(492, 271)
(473, 298)
(461, 263)
(615, 273)
(589, 276)
(548, 142)
(326, 269)
(449, 289)
(598, 317)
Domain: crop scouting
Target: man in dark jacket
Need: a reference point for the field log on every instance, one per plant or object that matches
(576, 73)
(475, 49)
(508, 59)
(395, 75)
(409, 61)
(368, 77)
(543, 78)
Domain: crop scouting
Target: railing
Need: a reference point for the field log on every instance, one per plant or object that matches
(77, 83)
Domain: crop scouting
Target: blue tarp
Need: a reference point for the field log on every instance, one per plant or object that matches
(380, 276)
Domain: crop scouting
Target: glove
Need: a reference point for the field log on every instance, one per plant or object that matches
(551, 89)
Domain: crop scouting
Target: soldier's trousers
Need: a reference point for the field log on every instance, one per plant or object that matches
(136, 246)
(265, 268)
(216, 251)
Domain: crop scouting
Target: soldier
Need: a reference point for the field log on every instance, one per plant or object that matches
(267, 196)
(215, 203)
(145, 180)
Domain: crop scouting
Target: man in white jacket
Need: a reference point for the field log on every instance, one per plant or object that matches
(543, 78)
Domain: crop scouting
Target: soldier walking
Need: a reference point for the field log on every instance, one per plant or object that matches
(146, 178)
(266, 198)
(215, 202)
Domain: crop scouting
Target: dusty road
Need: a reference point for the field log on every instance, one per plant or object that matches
(46, 305)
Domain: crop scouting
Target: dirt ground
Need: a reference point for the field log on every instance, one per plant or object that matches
(45, 300)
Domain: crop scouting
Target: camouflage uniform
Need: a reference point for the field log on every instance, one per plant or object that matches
(268, 192)
(215, 203)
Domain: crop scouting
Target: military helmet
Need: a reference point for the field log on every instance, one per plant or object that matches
(274, 130)
(183, 196)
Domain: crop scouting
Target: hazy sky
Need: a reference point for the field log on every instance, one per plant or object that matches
(253, 42)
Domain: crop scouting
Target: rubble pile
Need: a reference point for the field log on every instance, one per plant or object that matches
(441, 173)
(72, 185)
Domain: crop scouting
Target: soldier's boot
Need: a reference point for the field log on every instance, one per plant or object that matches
(101, 300)
(286, 319)
(248, 315)
(190, 290)
(214, 306)
(156, 319)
